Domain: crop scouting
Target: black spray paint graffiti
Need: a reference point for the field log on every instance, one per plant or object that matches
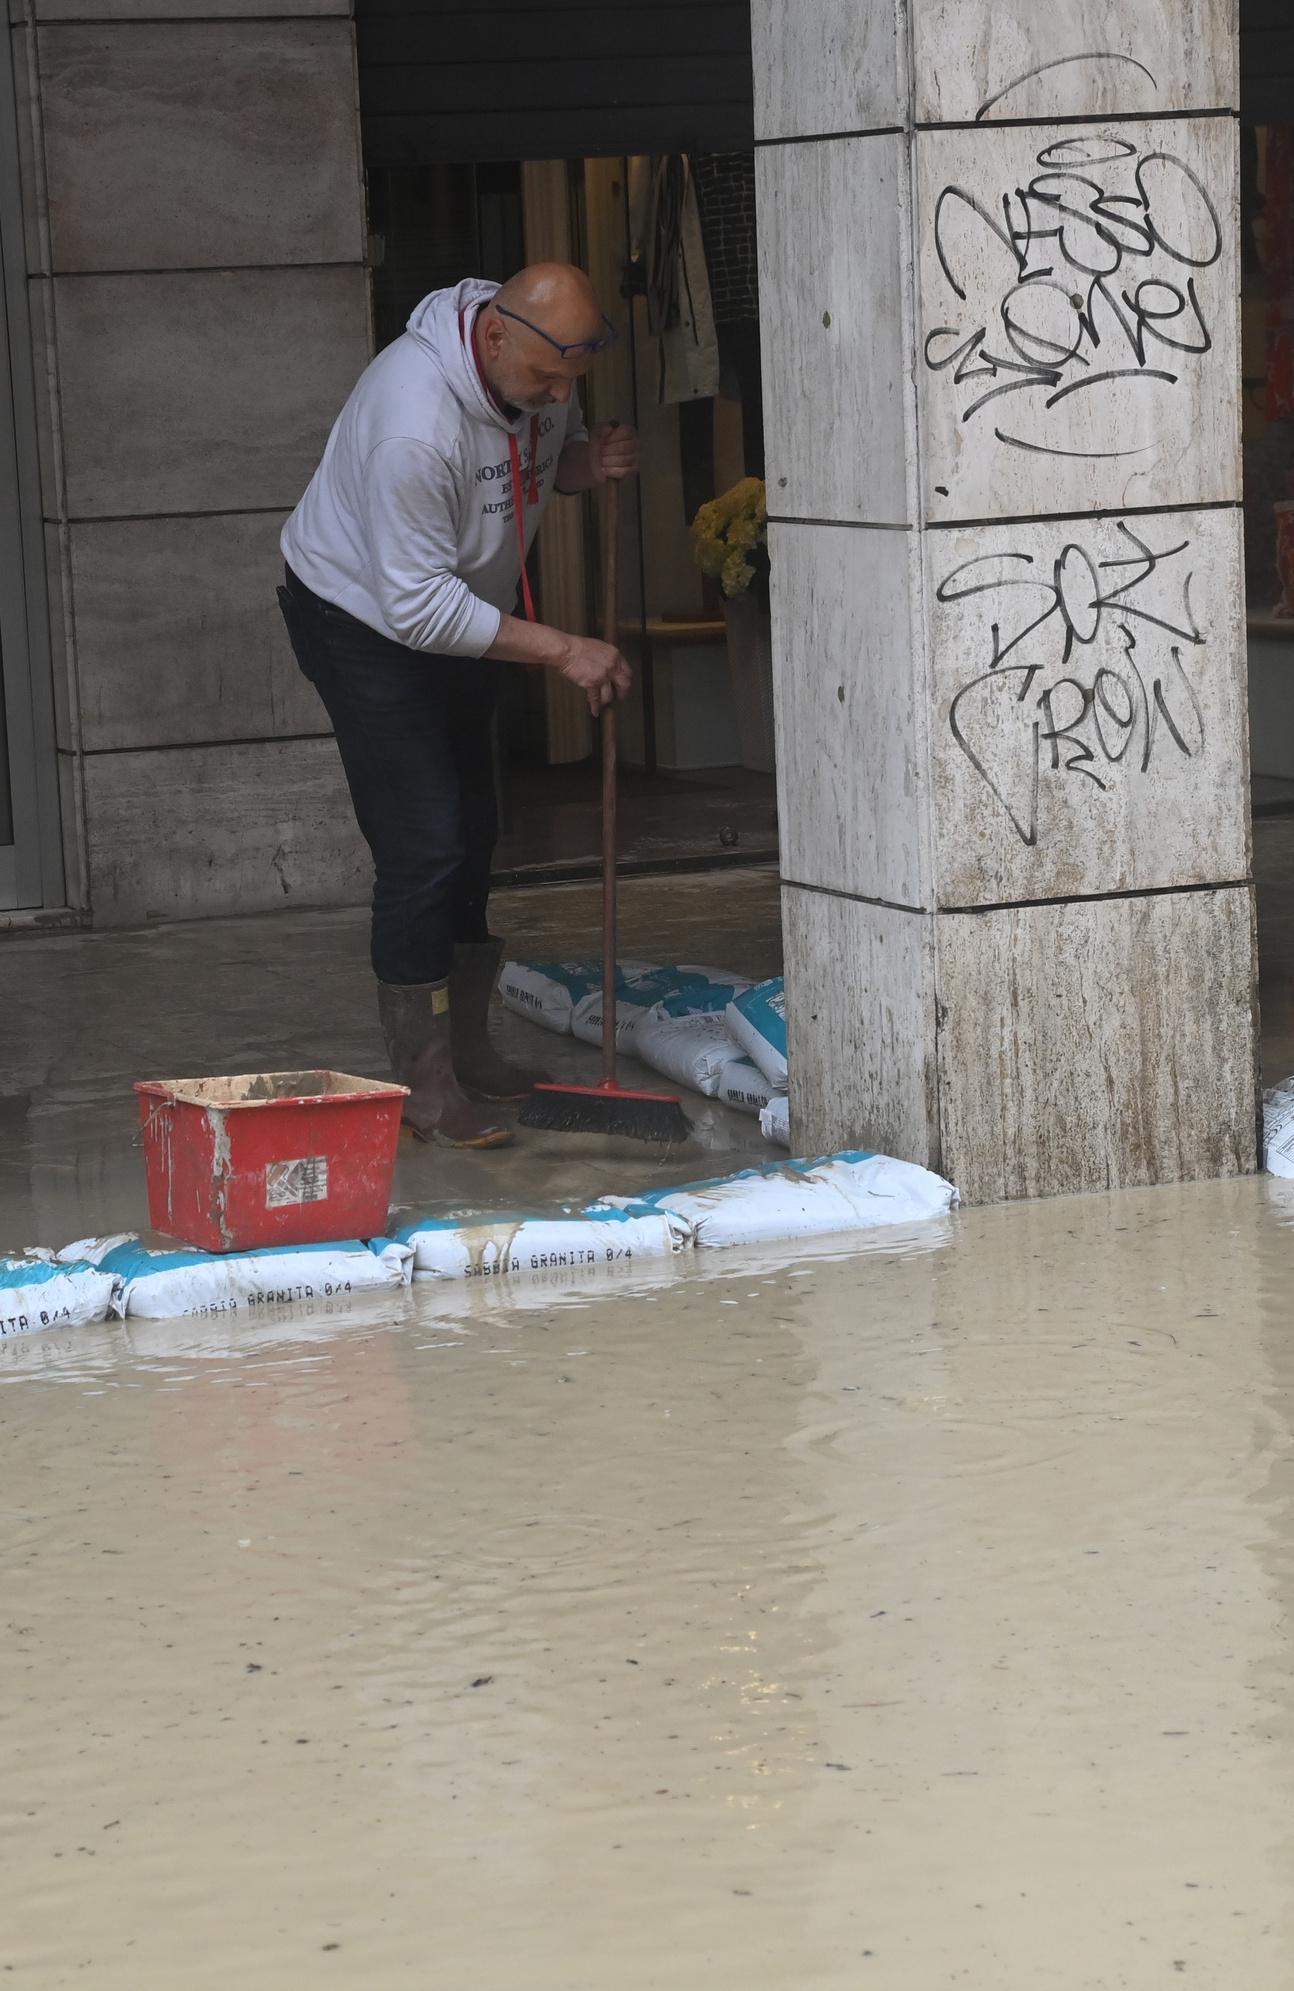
(1102, 687)
(1090, 271)
(1090, 57)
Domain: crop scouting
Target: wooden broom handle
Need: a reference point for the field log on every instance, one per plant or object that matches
(610, 634)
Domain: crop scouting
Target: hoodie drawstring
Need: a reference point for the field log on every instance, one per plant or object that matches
(532, 498)
(532, 491)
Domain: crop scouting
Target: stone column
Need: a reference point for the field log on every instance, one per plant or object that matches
(1000, 315)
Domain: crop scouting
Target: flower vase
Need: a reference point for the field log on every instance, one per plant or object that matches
(750, 668)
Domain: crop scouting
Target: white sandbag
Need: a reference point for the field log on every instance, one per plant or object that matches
(638, 992)
(775, 1121)
(706, 989)
(1278, 1129)
(38, 1290)
(167, 1285)
(757, 1020)
(586, 1019)
(93, 1250)
(693, 1051)
(742, 1086)
(454, 1307)
(548, 992)
(525, 1246)
(555, 994)
(844, 1192)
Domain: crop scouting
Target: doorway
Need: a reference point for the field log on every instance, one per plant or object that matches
(698, 783)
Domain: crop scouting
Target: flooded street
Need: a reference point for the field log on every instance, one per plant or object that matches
(912, 1617)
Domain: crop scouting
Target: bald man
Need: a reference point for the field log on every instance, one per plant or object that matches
(404, 560)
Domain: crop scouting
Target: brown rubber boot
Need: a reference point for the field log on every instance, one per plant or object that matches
(415, 1024)
(477, 1065)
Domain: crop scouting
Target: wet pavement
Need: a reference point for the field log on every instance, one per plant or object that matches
(912, 1617)
(917, 1611)
(83, 1015)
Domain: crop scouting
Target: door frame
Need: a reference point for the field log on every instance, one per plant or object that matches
(31, 868)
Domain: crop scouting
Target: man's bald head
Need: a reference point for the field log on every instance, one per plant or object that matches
(558, 298)
(522, 362)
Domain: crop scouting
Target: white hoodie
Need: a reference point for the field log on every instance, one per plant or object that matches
(409, 523)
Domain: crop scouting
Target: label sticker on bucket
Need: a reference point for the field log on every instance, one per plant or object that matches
(304, 1181)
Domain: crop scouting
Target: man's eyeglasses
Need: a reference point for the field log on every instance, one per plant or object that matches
(578, 348)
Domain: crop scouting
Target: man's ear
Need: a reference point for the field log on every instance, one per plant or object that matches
(492, 335)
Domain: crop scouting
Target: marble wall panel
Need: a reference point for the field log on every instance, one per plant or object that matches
(194, 831)
(179, 635)
(1098, 1045)
(833, 279)
(827, 66)
(203, 391)
(1078, 346)
(986, 59)
(851, 717)
(860, 1026)
(1089, 730)
(255, 122)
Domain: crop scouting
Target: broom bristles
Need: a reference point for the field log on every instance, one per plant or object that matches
(587, 1109)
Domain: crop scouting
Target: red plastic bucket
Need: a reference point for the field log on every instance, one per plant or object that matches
(270, 1158)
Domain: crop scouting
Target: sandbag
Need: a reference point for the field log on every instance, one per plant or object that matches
(687, 992)
(775, 1121)
(742, 1086)
(837, 1193)
(453, 1307)
(1278, 1130)
(586, 1018)
(38, 1290)
(705, 992)
(757, 1020)
(693, 1051)
(520, 1246)
(547, 992)
(167, 1285)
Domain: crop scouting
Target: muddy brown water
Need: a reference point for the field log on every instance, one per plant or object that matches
(899, 1618)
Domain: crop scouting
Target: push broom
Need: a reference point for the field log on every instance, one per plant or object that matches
(607, 1108)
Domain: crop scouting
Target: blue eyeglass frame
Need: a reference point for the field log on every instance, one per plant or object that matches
(590, 346)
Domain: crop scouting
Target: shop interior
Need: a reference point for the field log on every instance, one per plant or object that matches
(671, 245)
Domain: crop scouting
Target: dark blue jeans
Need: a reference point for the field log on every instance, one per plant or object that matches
(414, 733)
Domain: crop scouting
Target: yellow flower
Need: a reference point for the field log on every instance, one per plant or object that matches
(729, 528)
(737, 575)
